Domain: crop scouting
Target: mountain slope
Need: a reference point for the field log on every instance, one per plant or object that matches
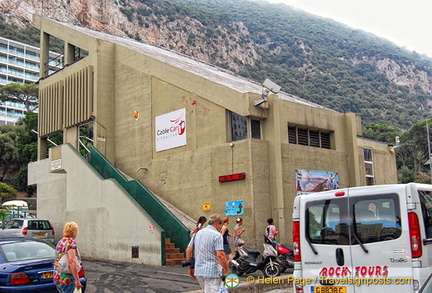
(311, 57)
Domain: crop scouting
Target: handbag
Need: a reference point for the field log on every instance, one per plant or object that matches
(63, 264)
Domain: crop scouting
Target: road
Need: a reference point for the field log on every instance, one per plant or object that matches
(121, 277)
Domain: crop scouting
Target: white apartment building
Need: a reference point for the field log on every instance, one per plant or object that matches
(19, 63)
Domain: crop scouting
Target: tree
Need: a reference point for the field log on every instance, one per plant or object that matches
(413, 153)
(7, 192)
(381, 132)
(22, 93)
(8, 150)
(406, 175)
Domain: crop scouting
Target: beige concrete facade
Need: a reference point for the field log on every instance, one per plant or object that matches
(110, 224)
(128, 77)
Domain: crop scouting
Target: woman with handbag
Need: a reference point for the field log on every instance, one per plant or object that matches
(67, 263)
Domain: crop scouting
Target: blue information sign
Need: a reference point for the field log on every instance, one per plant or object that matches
(234, 208)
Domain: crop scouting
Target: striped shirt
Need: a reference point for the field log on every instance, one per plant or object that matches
(207, 241)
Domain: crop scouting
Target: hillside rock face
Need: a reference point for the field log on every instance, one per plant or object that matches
(227, 45)
(404, 75)
(186, 36)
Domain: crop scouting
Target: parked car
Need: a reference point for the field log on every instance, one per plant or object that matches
(28, 228)
(27, 266)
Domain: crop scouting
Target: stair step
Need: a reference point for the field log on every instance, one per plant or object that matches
(174, 262)
(169, 245)
(172, 250)
(175, 256)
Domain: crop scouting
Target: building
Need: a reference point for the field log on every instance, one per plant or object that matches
(198, 137)
(19, 63)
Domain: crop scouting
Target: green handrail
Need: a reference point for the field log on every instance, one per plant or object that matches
(174, 228)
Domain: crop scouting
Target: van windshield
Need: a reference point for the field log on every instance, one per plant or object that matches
(373, 219)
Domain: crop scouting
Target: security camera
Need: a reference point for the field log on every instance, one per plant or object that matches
(271, 86)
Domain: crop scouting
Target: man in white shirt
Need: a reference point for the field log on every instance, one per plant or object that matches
(207, 248)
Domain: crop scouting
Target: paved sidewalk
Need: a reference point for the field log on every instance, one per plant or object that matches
(256, 283)
(112, 277)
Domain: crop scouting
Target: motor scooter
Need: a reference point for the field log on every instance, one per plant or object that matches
(285, 257)
(246, 261)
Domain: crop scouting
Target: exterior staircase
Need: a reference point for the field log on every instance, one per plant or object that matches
(172, 254)
(174, 223)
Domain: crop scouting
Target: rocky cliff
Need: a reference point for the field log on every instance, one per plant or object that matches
(308, 57)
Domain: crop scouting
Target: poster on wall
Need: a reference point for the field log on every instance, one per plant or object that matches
(234, 208)
(170, 130)
(309, 181)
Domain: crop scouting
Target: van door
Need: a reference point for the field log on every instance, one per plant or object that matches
(325, 238)
(425, 221)
(381, 254)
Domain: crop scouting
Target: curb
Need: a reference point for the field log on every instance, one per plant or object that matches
(260, 286)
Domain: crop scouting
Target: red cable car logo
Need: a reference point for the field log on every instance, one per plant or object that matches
(180, 125)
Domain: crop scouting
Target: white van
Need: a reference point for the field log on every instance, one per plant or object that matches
(363, 239)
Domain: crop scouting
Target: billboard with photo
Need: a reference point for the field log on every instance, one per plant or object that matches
(309, 181)
(170, 130)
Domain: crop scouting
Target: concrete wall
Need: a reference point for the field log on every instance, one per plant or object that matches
(110, 223)
(385, 171)
(157, 82)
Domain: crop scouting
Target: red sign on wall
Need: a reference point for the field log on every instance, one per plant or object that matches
(232, 177)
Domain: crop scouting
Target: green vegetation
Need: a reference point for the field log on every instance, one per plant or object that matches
(21, 93)
(7, 192)
(314, 58)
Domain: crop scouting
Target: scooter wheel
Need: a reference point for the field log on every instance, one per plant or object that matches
(271, 270)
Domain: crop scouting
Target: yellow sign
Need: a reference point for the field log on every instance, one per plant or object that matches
(206, 207)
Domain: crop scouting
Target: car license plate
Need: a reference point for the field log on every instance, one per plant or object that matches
(329, 289)
(40, 234)
(47, 275)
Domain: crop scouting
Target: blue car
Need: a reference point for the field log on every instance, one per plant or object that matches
(27, 266)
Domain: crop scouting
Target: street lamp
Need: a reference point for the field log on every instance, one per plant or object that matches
(429, 147)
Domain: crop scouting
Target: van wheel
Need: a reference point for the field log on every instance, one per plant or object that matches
(271, 270)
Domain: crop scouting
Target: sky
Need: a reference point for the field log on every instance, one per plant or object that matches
(406, 23)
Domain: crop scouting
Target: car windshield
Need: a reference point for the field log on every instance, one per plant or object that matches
(26, 250)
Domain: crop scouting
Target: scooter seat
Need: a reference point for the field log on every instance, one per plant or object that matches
(252, 251)
(290, 248)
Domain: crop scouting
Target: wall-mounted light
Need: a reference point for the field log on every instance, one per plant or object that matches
(136, 114)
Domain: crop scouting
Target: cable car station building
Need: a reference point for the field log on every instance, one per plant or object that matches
(174, 139)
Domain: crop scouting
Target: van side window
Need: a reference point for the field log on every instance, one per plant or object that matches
(377, 219)
(426, 206)
(324, 222)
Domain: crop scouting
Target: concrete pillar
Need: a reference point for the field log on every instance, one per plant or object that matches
(276, 168)
(70, 135)
(69, 54)
(44, 54)
(351, 132)
(42, 150)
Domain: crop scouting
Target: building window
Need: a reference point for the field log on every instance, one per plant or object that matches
(238, 127)
(309, 137)
(256, 128)
(369, 171)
